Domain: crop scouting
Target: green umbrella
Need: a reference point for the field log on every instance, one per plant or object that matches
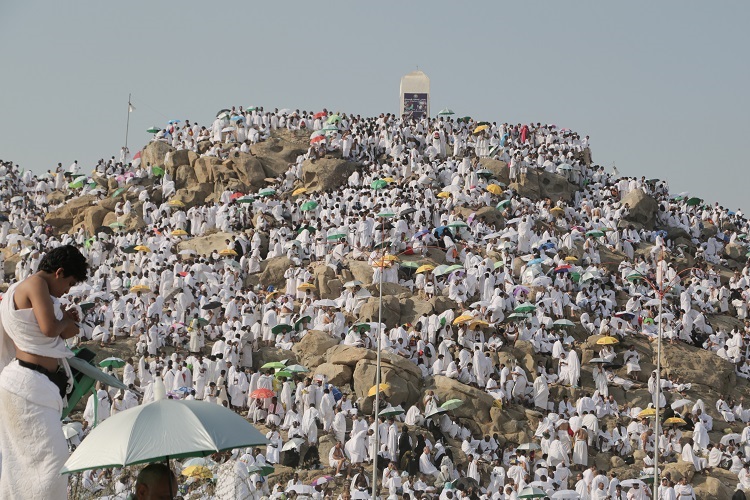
(454, 267)
(202, 321)
(129, 249)
(118, 192)
(112, 362)
(386, 215)
(445, 112)
(263, 470)
(575, 276)
(411, 264)
(329, 128)
(502, 204)
(693, 202)
(337, 236)
(532, 492)
(299, 322)
(309, 228)
(562, 323)
(518, 316)
(333, 119)
(526, 307)
(382, 244)
(78, 183)
(595, 233)
(466, 118)
(273, 365)
(157, 171)
(634, 276)
(86, 306)
(267, 192)
(153, 130)
(297, 369)
(361, 327)
(281, 328)
(309, 205)
(115, 225)
(458, 223)
(245, 199)
(484, 173)
(378, 184)
(283, 373)
(452, 404)
(392, 412)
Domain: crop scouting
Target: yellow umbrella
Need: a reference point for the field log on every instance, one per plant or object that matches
(607, 341)
(227, 252)
(198, 471)
(464, 318)
(375, 389)
(557, 211)
(143, 248)
(179, 232)
(299, 191)
(306, 286)
(479, 324)
(481, 128)
(390, 258)
(570, 258)
(140, 288)
(495, 189)
(175, 203)
(443, 194)
(648, 412)
(382, 263)
(674, 420)
(425, 268)
(389, 179)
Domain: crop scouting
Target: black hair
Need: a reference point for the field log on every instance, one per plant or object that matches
(67, 257)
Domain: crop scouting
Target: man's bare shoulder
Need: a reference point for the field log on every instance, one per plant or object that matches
(30, 288)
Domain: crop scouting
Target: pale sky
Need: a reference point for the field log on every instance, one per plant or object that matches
(661, 87)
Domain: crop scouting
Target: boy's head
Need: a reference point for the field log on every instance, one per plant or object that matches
(67, 266)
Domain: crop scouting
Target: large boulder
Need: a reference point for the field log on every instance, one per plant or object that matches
(391, 310)
(180, 158)
(326, 173)
(489, 215)
(498, 168)
(154, 153)
(184, 176)
(642, 207)
(205, 167)
(280, 150)
(67, 214)
(403, 377)
(543, 184)
(195, 194)
(477, 403)
(414, 308)
(698, 366)
(735, 251)
(273, 272)
(329, 286)
(338, 375)
(359, 270)
(204, 245)
(311, 350)
(249, 170)
(93, 218)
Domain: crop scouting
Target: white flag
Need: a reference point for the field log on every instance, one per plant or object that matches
(131, 108)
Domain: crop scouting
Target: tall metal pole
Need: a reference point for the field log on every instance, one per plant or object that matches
(381, 264)
(127, 124)
(658, 391)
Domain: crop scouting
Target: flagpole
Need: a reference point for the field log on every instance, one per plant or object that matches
(127, 124)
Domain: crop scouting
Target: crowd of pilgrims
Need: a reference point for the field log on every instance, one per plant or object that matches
(539, 278)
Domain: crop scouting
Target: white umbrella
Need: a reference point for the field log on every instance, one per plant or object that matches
(680, 403)
(731, 437)
(164, 429)
(302, 489)
(436, 411)
(228, 129)
(293, 444)
(652, 303)
(360, 495)
(200, 461)
(325, 303)
(629, 483)
(566, 495)
(72, 429)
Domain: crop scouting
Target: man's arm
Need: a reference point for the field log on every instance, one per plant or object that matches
(37, 294)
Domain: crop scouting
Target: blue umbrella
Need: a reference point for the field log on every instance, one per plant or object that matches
(172, 122)
(237, 118)
(336, 392)
(547, 246)
(421, 233)
(535, 261)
